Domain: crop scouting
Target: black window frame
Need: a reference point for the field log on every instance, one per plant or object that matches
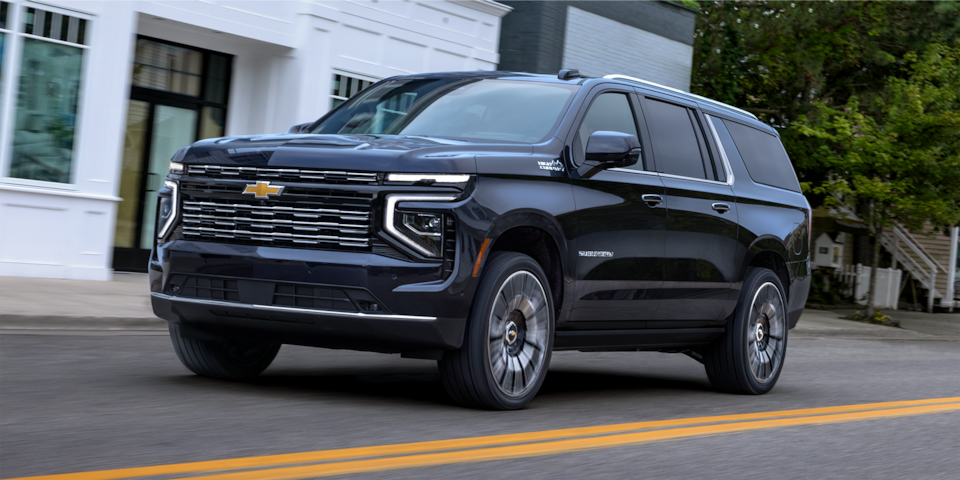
(709, 155)
(646, 160)
(779, 141)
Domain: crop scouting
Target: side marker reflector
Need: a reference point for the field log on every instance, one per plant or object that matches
(483, 249)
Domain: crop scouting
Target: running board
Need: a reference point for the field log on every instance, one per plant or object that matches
(647, 339)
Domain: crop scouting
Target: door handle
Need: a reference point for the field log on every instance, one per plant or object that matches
(652, 200)
(721, 207)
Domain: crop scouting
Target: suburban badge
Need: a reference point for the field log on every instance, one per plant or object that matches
(263, 190)
(596, 253)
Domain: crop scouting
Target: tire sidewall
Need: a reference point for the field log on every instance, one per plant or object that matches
(756, 277)
(500, 267)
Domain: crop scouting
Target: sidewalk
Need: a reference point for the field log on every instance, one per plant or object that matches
(40, 306)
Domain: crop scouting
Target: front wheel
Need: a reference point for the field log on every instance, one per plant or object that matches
(229, 360)
(509, 338)
(748, 357)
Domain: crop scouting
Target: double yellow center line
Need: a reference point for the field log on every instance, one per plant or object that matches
(497, 447)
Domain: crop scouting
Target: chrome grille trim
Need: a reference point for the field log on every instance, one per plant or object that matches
(332, 227)
(292, 174)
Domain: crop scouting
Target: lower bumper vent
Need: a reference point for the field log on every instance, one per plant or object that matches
(280, 294)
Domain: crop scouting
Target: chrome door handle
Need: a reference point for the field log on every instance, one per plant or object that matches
(651, 200)
(721, 207)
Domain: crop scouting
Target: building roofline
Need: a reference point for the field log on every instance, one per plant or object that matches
(486, 6)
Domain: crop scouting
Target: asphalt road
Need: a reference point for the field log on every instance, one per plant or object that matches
(79, 403)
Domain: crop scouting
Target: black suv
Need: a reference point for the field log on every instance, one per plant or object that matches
(484, 220)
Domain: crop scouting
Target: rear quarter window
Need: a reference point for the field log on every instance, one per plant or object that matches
(764, 157)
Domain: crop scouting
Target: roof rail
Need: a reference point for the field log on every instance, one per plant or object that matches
(698, 97)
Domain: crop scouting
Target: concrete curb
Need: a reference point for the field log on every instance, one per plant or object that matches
(10, 322)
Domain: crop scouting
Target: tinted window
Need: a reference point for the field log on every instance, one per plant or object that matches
(609, 112)
(676, 146)
(764, 156)
(487, 109)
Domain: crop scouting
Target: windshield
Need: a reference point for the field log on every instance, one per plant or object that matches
(470, 109)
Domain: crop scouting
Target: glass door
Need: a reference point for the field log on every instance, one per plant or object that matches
(178, 96)
(172, 128)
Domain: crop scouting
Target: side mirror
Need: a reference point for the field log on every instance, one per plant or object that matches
(612, 149)
(298, 128)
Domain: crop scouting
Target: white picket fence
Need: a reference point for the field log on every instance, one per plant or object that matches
(857, 277)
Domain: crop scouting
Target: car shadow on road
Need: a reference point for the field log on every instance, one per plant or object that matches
(561, 382)
(421, 385)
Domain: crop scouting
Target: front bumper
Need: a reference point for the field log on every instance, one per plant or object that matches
(257, 293)
(319, 328)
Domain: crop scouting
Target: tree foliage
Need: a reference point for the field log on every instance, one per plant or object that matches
(904, 159)
(864, 95)
(780, 60)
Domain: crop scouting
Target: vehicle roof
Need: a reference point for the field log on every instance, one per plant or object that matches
(707, 105)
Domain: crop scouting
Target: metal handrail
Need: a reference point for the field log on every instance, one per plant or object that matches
(905, 235)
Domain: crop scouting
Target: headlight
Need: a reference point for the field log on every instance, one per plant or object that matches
(421, 231)
(167, 210)
(176, 167)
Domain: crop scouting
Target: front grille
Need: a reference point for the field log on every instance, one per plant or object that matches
(282, 174)
(306, 217)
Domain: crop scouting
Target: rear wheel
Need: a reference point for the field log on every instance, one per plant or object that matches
(509, 338)
(749, 356)
(229, 360)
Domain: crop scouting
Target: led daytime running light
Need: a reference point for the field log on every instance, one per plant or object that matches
(175, 201)
(432, 177)
(390, 210)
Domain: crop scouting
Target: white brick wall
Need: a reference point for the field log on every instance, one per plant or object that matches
(598, 46)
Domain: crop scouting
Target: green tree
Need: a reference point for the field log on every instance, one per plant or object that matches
(902, 160)
(779, 60)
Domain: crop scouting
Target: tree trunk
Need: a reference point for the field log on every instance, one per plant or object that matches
(874, 266)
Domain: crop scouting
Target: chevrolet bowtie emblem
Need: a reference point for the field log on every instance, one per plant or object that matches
(263, 190)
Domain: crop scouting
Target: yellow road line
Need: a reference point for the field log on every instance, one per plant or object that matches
(563, 446)
(474, 442)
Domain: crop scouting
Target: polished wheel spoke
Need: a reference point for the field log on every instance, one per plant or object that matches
(765, 332)
(518, 328)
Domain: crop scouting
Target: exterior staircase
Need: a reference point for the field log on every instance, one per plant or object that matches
(908, 253)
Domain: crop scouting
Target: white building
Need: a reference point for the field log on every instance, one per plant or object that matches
(96, 96)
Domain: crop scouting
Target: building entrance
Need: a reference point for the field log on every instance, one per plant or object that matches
(179, 95)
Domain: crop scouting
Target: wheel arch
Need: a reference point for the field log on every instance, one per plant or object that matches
(536, 234)
(775, 262)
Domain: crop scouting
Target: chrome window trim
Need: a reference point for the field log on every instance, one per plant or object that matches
(390, 208)
(704, 180)
(629, 170)
(723, 153)
(307, 311)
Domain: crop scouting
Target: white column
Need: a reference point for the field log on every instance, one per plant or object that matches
(952, 267)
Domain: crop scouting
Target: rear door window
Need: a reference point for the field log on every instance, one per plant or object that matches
(764, 156)
(677, 147)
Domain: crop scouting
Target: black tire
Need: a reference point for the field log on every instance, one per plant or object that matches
(501, 381)
(748, 358)
(229, 360)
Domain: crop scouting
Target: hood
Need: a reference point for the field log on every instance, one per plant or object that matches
(372, 153)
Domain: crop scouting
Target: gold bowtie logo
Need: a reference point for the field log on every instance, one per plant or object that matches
(263, 190)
